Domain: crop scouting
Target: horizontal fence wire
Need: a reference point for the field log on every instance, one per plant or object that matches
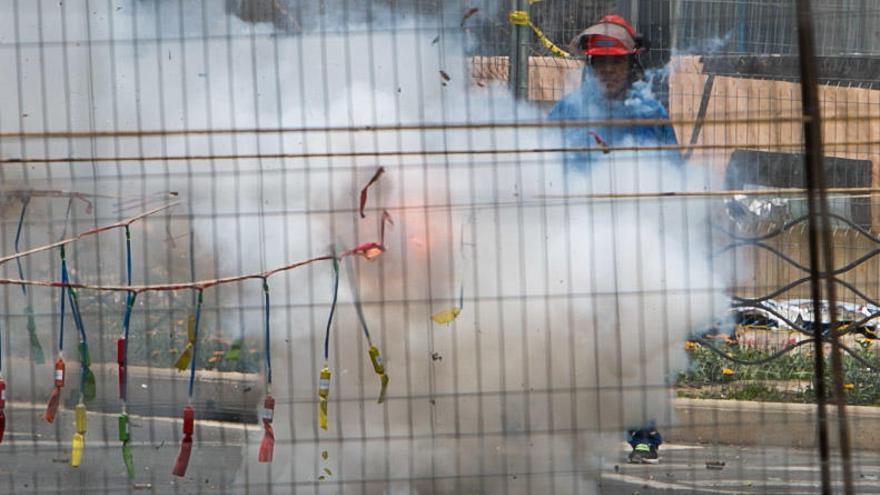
(518, 301)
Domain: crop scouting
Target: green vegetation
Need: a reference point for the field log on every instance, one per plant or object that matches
(786, 379)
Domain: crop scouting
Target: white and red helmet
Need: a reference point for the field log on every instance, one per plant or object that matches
(611, 36)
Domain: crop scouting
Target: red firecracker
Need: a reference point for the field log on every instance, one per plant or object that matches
(55, 396)
(2, 408)
(267, 446)
(120, 360)
(186, 445)
(59, 373)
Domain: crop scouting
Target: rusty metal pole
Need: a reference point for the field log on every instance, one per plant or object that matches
(817, 203)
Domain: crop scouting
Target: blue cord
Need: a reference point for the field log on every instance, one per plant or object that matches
(128, 254)
(64, 282)
(24, 206)
(332, 309)
(129, 306)
(355, 293)
(126, 320)
(192, 364)
(266, 338)
(77, 319)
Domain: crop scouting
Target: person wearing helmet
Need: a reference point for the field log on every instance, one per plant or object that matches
(613, 87)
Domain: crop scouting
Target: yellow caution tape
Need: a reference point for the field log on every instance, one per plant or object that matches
(323, 392)
(521, 18)
(518, 17)
(76, 449)
(446, 316)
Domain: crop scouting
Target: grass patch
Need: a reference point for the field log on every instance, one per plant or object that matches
(711, 376)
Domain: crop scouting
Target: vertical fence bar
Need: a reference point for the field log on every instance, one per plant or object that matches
(520, 42)
(817, 203)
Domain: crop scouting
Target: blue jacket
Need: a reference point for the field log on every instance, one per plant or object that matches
(588, 104)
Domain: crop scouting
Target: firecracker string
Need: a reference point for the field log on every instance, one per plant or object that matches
(266, 342)
(65, 283)
(355, 294)
(195, 344)
(94, 231)
(332, 308)
(36, 348)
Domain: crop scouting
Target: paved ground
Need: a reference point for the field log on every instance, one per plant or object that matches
(747, 470)
(37, 463)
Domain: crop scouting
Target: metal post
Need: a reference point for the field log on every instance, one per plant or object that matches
(819, 222)
(520, 41)
(634, 13)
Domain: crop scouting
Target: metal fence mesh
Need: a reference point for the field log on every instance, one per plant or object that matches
(353, 187)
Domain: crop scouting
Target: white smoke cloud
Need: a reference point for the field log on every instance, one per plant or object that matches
(574, 311)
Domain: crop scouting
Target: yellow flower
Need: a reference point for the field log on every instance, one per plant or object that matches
(690, 345)
(849, 386)
(726, 371)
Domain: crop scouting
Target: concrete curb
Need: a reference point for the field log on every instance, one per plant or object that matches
(767, 424)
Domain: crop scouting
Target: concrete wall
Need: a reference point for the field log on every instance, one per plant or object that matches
(767, 424)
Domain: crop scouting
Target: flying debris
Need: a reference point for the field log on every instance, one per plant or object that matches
(363, 202)
(468, 14)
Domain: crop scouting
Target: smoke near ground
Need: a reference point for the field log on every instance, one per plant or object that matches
(575, 308)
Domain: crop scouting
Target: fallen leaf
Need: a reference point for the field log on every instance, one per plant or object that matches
(468, 14)
(446, 316)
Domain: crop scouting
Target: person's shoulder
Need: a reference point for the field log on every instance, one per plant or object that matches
(566, 107)
(643, 104)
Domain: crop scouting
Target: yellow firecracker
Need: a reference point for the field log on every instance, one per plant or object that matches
(323, 393)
